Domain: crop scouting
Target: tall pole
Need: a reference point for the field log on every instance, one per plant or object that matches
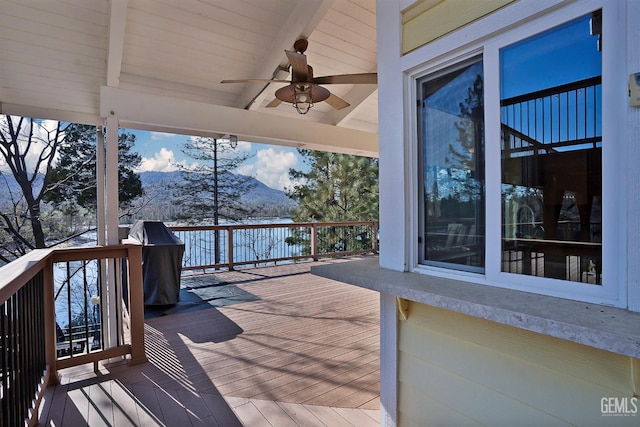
(109, 293)
(101, 221)
(215, 202)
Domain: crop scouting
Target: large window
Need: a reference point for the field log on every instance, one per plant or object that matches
(552, 153)
(547, 201)
(452, 133)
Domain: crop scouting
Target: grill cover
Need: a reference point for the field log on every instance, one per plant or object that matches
(162, 254)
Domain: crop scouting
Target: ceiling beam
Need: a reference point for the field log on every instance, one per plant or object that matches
(301, 22)
(153, 112)
(50, 113)
(356, 97)
(117, 24)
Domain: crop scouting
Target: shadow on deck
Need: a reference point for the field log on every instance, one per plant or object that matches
(303, 351)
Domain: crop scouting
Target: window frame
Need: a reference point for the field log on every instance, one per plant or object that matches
(523, 21)
(421, 225)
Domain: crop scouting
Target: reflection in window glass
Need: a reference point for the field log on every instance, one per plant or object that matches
(552, 153)
(452, 132)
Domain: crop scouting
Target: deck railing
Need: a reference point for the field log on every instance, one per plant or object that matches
(35, 343)
(28, 347)
(237, 245)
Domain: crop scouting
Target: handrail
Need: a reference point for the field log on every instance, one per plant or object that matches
(20, 271)
(274, 225)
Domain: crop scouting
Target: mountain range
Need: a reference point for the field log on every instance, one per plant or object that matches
(268, 201)
(159, 204)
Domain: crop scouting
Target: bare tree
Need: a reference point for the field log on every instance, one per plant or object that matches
(260, 242)
(28, 149)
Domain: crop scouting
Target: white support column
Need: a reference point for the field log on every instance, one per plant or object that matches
(101, 228)
(394, 216)
(100, 190)
(110, 295)
(393, 179)
(631, 156)
(111, 192)
(388, 361)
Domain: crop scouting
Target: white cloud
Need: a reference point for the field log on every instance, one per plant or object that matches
(162, 161)
(161, 135)
(272, 168)
(44, 132)
(243, 146)
(246, 170)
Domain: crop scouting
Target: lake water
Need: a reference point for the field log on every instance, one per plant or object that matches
(77, 293)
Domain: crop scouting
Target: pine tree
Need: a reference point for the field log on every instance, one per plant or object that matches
(73, 180)
(338, 187)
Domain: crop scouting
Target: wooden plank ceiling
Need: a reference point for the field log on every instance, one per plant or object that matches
(157, 64)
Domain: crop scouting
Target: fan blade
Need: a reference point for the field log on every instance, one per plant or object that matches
(299, 69)
(255, 81)
(274, 103)
(364, 78)
(336, 102)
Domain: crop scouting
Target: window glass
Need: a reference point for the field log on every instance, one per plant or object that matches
(552, 153)
(452, 152)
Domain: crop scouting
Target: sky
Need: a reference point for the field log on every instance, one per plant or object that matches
(269, 164)
(549, 59)
(162, 152)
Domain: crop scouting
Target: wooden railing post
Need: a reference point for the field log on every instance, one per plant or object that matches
(374, 237)
(136, 305)
(314, 242)
(230, 247)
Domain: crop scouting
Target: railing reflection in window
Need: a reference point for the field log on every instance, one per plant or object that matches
(552, 227)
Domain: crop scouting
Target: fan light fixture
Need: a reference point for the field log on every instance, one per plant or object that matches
(303, 90)
(302, 99)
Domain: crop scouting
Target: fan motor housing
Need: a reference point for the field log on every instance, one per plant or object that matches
(286, 94)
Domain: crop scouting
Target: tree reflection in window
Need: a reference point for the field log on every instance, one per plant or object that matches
(452, 130)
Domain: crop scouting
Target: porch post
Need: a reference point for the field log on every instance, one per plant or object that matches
(394, 206)
(109, 287)
(101, 225)
(136, 306)
(388, 361)
(111, 191)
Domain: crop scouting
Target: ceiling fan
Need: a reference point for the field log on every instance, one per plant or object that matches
(304, 90)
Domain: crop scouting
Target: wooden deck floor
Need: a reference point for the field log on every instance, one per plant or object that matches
(304, 353)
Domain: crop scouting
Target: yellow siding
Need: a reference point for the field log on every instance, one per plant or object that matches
(429, 19)
(456, 367)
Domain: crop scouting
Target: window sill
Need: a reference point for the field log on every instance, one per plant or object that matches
(607, 328)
